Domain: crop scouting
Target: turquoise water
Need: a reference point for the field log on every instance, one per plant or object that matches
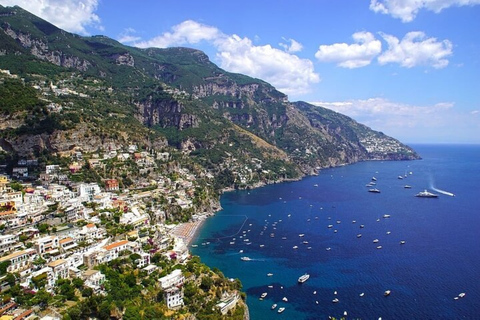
(439, 260)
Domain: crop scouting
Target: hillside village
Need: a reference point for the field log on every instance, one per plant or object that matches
(56, 230)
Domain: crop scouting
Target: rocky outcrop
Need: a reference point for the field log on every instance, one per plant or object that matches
(124, 59)
(165, 113)
(40, 50)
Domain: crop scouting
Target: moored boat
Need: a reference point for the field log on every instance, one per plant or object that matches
(274, 306)
(303, 278)
(374, 190)
(281, 309)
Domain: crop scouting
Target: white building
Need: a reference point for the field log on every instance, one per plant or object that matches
(7, 242)
(172, 284)
(86, 191)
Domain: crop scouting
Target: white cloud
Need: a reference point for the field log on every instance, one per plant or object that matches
(359, 54)
(70, 15)
(187, 32)
(416, 50)
(294, 46)
(407, 122)
(128, 36)
(287, 72)
(407, 10)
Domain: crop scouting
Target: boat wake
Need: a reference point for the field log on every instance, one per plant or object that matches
(443, 192)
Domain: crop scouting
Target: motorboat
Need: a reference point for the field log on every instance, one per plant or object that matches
(281, 309)
(285, 299)
(274, 306)
(359, 235)
(375, 241)
(263, 295)
(387, 293)
(426, 194)
(245, 259)
(303, 278)
(374, 190)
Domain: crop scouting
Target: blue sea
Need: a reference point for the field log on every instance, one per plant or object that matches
(439, 260)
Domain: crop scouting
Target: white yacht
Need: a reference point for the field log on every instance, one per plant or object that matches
(303, 278)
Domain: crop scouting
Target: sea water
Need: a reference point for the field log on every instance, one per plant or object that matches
(439, 260)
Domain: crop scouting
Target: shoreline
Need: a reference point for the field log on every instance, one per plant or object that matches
(188, 231)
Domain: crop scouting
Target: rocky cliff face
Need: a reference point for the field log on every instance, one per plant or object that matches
(40, 49)
(165, 113)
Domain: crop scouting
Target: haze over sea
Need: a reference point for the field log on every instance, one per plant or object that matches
(439, 260)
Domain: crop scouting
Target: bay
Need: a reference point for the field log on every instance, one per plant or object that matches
(439, 260)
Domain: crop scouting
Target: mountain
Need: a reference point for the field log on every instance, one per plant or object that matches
(95, 95)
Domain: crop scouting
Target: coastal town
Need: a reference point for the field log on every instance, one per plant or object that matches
(58, 235)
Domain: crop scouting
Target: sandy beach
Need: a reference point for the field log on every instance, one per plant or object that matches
(187, 230)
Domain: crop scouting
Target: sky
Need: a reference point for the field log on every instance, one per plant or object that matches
(408, 68)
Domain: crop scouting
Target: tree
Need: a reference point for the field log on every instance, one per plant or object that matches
(3, 267)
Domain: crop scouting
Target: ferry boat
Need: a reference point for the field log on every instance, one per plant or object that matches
(303, 278)
(426, 194)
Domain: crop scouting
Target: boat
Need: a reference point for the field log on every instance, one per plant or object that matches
(374, 190)
(335, 300)
(328, 249)
(301, 235)
(285, 299)
(303, 278)
(269, 274)
(386, 216)
(375, 241)
(284, 238)
(362, 226)
(305, 242)
(387, 293)
(241, 251)
(245, 259)
(194, 245)
(263, 295)
(461, 295)
(295, 247)
(374, 179)
(281, 309)
(426, 194)
(402, 242)
(330, 226)
(388, 232)
(407, 186)
(400, 177)
(274, 306)
(379, 247)
(359, 235)
(362, 294)
(315, 185)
